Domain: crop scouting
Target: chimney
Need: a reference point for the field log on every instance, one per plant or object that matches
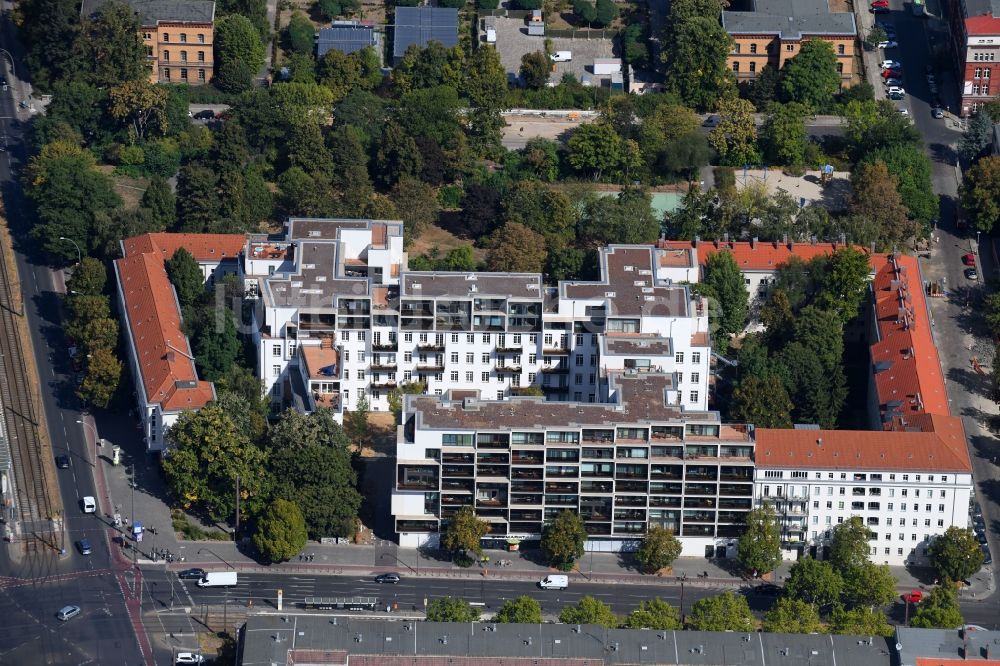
(753, 242)
(171, 356)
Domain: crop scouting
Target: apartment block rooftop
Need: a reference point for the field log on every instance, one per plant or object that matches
(789, 19)
(152, 12)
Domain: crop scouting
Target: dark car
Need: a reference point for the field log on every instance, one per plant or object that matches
(981, 538)
(62, 462)
(896, 96)
(83, 545)
(768, 590)
(392, 578)
(191, 574)
(971, 274)
(988, 557)
(878, 9)
(204, 115)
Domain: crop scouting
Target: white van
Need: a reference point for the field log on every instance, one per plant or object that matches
(89, 504)
(562, 56)
(218, 579)
(554, 582)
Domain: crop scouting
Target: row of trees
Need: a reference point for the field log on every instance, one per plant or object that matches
(94, 332)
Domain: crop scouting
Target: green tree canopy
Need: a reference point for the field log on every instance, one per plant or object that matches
(724, 284)
(597, 150)
(520, 610)
(516, 248)
(939, 609)
(849, 547)
(654, 614)
(114, 45)
(451, 609)
(723, 612)
(859, 621)
(101, 379)
(589, 610)
(759, 547)
(89, 278)
(783, 136)
(792, 616)
(814, 581)
(237, 41)
(300, 34)
(956, 554)
(811, 77)
(869, 585)
(535, 70)
(762, 401)
(659, 549)
(464, 532)
(735, 135)
(980, 193)
(281, 531)
(695, 52)
(563, 539)
(186, 276)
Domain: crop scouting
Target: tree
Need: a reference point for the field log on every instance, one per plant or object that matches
(281, 531)
(956, 554)
(606, 13)
(99, 333)
(724, 284)
(784, 135)
(939, 609)
(237, 41)
(114, 45)
(859, 622)
(535, 70)
(451, 609)
(654, 614)
(521, 610)
(89, 278)
(206, 454)
(356, 424)
(845, 283)
(759, 548)
(684, 156)
(140, 103)
(397, 155)
(589, 610)
(216, 342)
(976, 137)
(911, 166)
(762, 401)
(627, 218)
(811, 77)
(814, 581)
(869, 585)
(792, 616)
(563, 539)
(300, 34)
(875, 197)
(464, 533)
(480, 210)
(331, 9)
(695, 52)
(763, 89)
(598, 150)
(234, 76)
(516, 248)
(849, 547)
(186, 276)
(101, 381)
(659, 549)
(585, 10)
(735, 136)
(198, 202)
(723, 612)
(541, 209)
(418, 205)
(980, 193)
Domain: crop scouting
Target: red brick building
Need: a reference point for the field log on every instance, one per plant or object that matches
(975, 36)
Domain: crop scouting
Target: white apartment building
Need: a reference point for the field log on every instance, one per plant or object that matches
(340, 317)
(907, 486)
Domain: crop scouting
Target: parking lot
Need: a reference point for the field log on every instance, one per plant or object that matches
(513, 42)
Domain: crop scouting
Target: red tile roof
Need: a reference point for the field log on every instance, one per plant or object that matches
(938, 446)
(759, 256)
(907, 371)
(169, 376)
(203, 247)
(982, 25)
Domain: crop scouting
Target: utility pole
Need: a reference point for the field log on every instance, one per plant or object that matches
(237, 535)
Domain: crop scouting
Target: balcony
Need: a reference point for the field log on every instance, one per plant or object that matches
(493, 458)
(384, 366)
(458, 486)
(430, 346)
(384, 383)
(598, 529)
(493, 470)
(504, 349)
(526, 499)
(555, 370)
(390, 346)
(554, 389)
(522, 459)
(560, 351)
(521, 473)
(456, 500)
(430, 366)
(491, 502)
(507, 369)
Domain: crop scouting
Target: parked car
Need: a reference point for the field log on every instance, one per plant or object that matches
(391, 578)
(892, 74)
(711, 121)
(88, 504)
(988, 557)
(83, 545)
(896, 90)
(892, 82)
(888, 44)
(896, 96)
(879, 10)
(969, 259)
(207, 114)
(903, 111)
(971, 274)
(886, 27)
(67, 613)
(191, 574)
(62, 462)
(880, 3)
(768, 590)
(913, 597)
(189, 658)
(891, 64)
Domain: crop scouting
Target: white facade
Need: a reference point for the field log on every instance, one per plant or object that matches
(904, 510)
(343, 285)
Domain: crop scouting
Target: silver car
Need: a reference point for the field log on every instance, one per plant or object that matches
(68, 612)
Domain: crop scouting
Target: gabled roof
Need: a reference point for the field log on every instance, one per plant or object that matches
(160, 347)
(790, 19)
(203, 247)
(762, 256)
(939, 446)
(420, 25)
(905, 362)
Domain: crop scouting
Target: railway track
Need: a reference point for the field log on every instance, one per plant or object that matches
(35, 508)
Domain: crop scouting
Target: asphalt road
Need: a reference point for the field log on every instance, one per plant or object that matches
(30, 632)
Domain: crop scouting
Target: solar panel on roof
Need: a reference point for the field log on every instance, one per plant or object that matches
(421, 25)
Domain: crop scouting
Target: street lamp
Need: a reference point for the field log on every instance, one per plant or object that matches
(13, 73)
(79, 260)
(97, 439)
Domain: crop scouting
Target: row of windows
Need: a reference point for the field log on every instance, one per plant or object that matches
(979, 57)
(981, 90)
(841, 49)
(200, 37)
(753, 67)
(855, 476)
(855, 491)
(183, 73)
(695, 357)
(875, 506)
(184, 55)
(982, 73)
